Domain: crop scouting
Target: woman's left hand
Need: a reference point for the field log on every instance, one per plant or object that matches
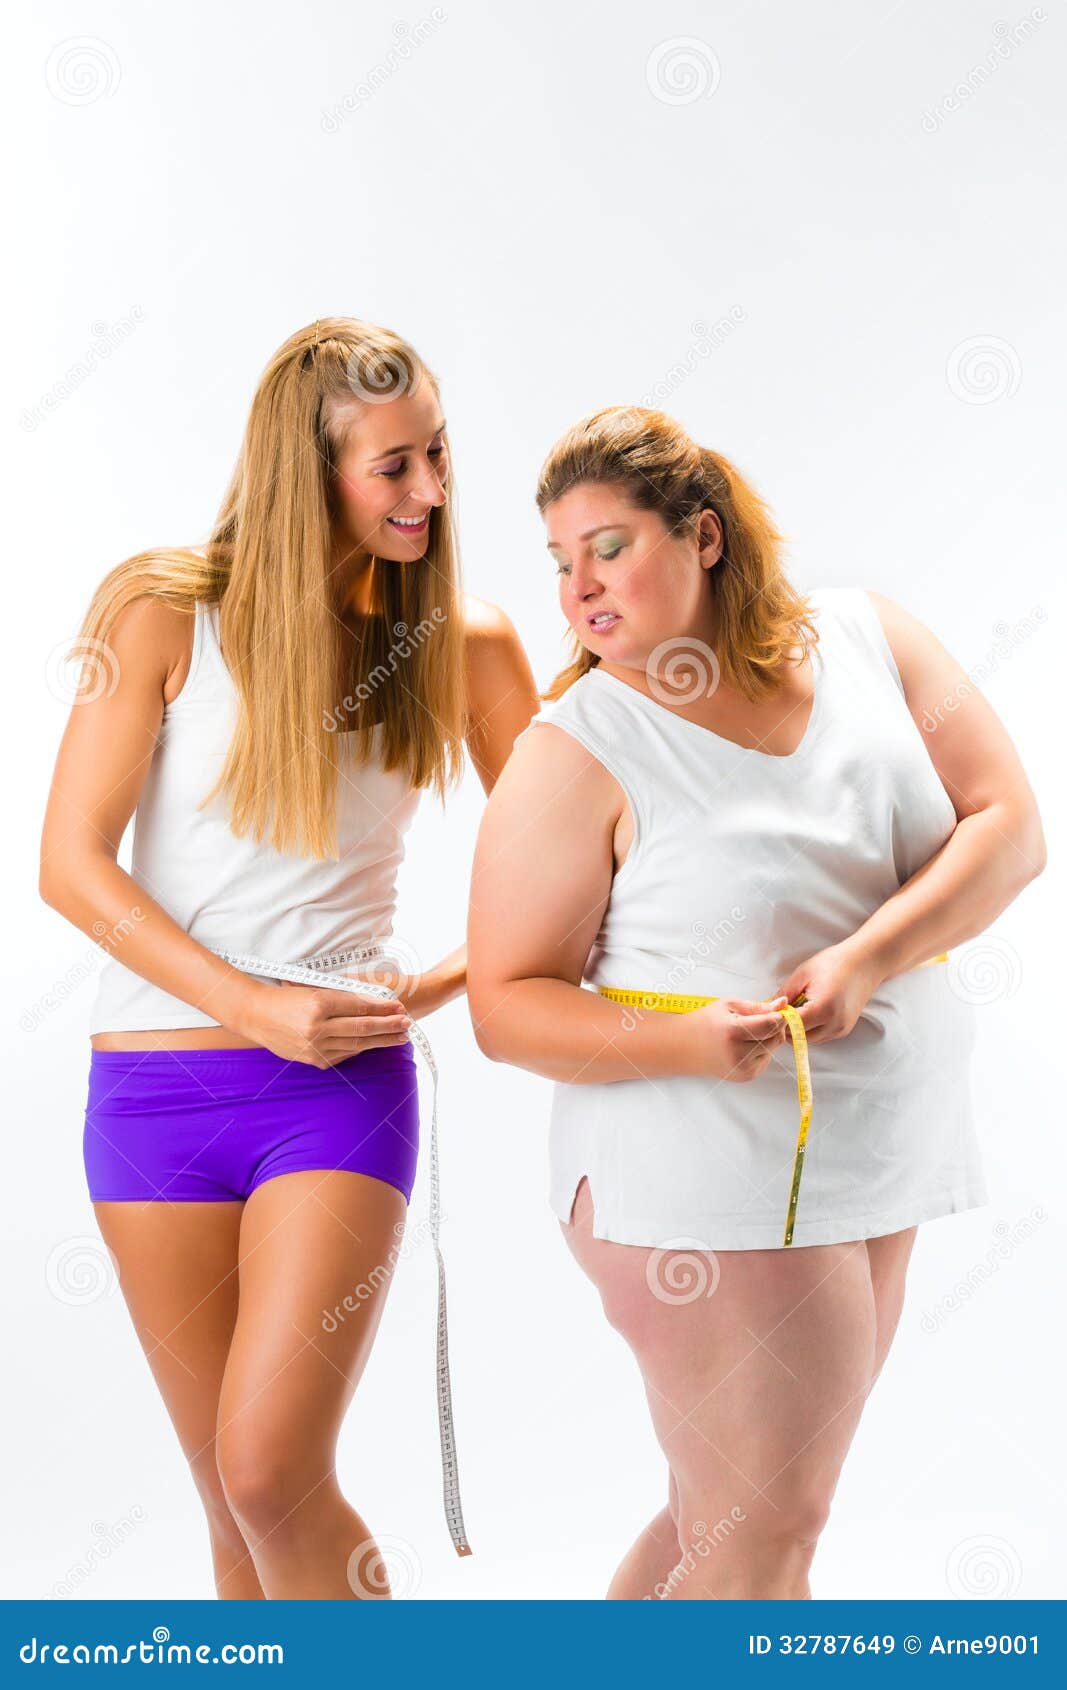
(836, 984)
(420, 994)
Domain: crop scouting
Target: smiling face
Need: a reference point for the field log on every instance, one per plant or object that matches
(391, 474)
(627, 582)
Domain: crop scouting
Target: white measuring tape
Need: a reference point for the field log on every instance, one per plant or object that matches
(316, 971)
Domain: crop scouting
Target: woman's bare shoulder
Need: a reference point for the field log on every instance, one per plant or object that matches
(156, 638)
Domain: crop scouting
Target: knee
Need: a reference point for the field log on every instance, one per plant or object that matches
(801, 1517)
(263, 1487)
(795, 1521)
(212, 1493)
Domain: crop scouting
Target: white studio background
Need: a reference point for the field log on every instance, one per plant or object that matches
(828, 239)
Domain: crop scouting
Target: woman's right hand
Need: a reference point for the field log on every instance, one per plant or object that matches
(320, 1025)
(735, 1038)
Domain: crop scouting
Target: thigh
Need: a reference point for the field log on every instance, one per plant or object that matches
(755, 1362)
(888, 1259)
(177, 1265)
(317, 1253)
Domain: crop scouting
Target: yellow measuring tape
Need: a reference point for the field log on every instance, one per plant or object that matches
(679, 1003)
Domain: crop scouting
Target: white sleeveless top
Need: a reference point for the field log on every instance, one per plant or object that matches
(237, 894)
(742, 865)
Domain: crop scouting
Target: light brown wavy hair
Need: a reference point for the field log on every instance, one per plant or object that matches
(268, 563)
(758, 614)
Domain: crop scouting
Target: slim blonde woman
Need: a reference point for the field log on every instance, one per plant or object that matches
(730, 807)
(274, 706)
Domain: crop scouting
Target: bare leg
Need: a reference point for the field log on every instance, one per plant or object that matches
(649, 1562)
(178, 1272)
(755, 1385)
(308, 1242)
(888, 1257)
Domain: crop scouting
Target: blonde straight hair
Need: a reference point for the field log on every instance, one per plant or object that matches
(759, 615)
(267, 564)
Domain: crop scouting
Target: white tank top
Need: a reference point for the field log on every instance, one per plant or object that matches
(743, 864)
(238, 894)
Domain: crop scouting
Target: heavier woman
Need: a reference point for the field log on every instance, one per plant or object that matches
(731, 797)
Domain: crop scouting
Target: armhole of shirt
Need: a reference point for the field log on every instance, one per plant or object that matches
(872, 623)
(195, 656)
(584, 736)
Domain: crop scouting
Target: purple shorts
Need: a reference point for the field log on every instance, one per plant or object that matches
(208, 1126)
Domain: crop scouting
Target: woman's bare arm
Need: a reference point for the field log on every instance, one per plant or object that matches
(540, 884)
(501, 699)
(100, 771)
(997, 846)
(501, 691)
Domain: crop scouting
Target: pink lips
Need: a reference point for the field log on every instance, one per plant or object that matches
(603, 627)
(408, 527)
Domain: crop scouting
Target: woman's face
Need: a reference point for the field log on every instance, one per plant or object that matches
(626, 582)
(390, 475)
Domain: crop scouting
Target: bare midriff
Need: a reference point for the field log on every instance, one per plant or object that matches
(173, 1038)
